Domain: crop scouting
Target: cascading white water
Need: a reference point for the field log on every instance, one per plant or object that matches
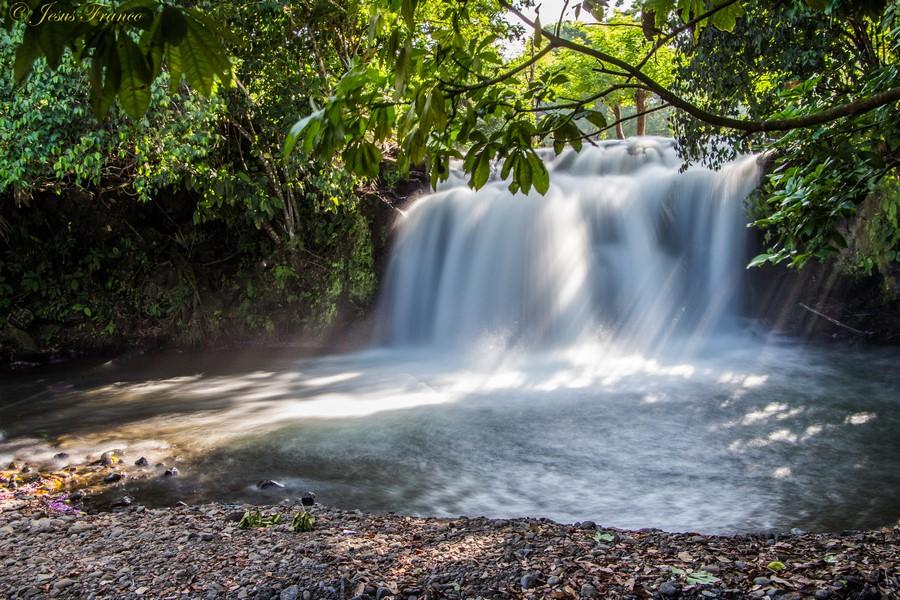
(624, 248)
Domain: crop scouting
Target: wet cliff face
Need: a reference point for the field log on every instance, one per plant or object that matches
(825, 303)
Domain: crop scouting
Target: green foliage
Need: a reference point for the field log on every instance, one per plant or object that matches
(574, 75)
(695, 577)
(792, 61)
(302, 521)
(183, 226)
(879, 240)
(454, 95)
(127, 53)
(399, 89)
(61, 148)
(253, 519)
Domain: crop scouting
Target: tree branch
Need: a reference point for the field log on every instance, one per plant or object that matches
(850, 109)
(668, 37)
(589, 99)
(489, 82)
(618, 122)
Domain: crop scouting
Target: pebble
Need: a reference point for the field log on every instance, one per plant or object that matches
(529, 580)
(80, 527)
(669, 589)
(124, 554)
(61, 584)
(42, 525)
(762, 581)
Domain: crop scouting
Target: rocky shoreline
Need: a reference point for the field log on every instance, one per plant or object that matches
(49, 548)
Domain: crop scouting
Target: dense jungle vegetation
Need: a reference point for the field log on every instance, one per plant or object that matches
(182, 224)
(226, 169)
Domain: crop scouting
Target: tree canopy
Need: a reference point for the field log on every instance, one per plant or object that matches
(814, 82)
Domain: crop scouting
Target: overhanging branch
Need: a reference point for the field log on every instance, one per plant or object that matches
(857, 107)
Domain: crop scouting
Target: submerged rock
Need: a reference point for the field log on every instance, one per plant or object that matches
(268, 483)
(114, 477)
(142, 462)
(111, 458)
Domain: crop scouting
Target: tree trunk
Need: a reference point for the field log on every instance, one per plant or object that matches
(640, 105)
(617, 113)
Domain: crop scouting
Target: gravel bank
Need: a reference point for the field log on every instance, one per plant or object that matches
(200, 552)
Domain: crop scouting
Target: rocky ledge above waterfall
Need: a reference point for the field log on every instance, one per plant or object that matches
(201, 552)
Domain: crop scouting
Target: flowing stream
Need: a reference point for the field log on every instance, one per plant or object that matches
(583, 355)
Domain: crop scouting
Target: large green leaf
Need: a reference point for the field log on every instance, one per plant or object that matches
(153, 46)
(134, 90)
(176, 71)
(203, 58)
(106, 74)
(726, 18)
(540, 177)
(482, 170)
(313, 122)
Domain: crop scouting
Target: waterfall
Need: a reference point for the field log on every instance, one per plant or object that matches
(623, 249)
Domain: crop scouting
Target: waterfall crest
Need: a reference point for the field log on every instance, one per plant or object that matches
(624, 248)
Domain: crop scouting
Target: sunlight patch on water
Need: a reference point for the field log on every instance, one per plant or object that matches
(860, 418)
(782, 473)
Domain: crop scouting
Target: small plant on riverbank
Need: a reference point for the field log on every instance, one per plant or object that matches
(302, 521)
(254, 520)
(604, 538)
(697, 577)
